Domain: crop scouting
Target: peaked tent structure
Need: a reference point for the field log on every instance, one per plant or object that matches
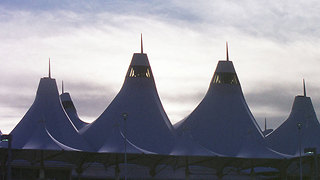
(187, 146)
(45, 126)
(135, 116)
(70, 109)
(222, 122)
(302, 128)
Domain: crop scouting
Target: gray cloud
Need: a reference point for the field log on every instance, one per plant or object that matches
(17, 91)
(281, 21)
(138, 7)
(277, 95)
(274, 101)
(28, 28)
(90, 98)
(182, 98)
(274, 96)
(16, 101)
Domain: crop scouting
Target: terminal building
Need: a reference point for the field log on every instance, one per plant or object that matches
(134, 138)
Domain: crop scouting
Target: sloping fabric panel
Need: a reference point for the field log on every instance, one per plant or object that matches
(146, 128)
(71, 111)
(45, 125)
(222, 122)
(287, 137)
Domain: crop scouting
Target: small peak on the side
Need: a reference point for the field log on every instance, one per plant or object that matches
(141, 45)
(65, 97)
(266, 130)
(227, 52)
(62, 87)
(304, 89)
(49, 76)
(265, 123)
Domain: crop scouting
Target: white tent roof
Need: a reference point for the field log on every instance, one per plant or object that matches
(148, 128)
(187, 146)
(286, 137)
(71, 110)
(45, 125)
(222, 122)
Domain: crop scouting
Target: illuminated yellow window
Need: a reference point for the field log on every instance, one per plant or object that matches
(139, 71)
(225, 78)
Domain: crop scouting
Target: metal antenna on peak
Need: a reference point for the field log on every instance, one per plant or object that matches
(304, 89)
(227, 50)
(49, 69)
(62, 88)
(141, 45)
(265, 124)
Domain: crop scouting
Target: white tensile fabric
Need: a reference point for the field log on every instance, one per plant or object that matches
(287, 137)
(146, 129)
(71, 111)
(46, 126)
(222, 122)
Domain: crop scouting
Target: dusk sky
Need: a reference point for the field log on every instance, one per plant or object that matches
(273, 46)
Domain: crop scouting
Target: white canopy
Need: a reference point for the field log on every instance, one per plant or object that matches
(45, 125)
(71, 111)
(222, 122)
(287, 137)
(147, 128)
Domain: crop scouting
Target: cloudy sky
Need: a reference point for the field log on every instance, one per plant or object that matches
(273, 45)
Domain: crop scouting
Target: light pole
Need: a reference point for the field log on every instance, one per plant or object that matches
(315, 155)
(125, 115)
(313, 151)
(299, 124)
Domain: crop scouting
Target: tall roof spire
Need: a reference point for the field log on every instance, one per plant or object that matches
(265, 124)
(227, 51)
(304, 89)
(62, 88)
(49, 69)
(141, 45)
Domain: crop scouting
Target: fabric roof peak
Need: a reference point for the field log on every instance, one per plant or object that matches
(49, 76)
(62, 88)
(265, 124)
(145, 125)
(46, 125)
(225, 66)
(304, 89)
(71, 110)
(285, 139)
(47, 86)
(139, 67)
(139, 59)
(141, 45)
(227, 51)
(223, 112)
